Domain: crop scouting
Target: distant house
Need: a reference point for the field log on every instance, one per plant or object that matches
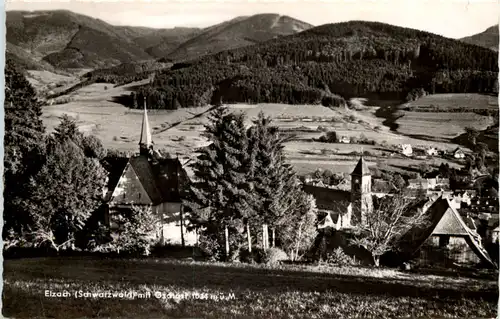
(418, 183)
(345, 140)
(458, 153)
(431, 151)
(406, 149)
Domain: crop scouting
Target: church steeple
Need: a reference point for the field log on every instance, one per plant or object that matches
(361, 185)
(146, 142)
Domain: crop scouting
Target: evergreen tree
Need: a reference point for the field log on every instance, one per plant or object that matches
(23, 145)
(274, 181)
(218, 197)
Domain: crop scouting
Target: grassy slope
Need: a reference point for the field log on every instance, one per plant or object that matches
(298, 292)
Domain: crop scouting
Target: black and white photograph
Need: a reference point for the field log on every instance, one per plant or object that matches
(251, 159)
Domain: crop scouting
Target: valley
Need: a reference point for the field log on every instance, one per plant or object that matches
(179, 132)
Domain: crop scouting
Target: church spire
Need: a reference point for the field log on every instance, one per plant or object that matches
(145, 143)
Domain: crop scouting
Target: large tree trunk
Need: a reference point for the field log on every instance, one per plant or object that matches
(376, 260)
(226, 233)
(265, 237)
(249, 239)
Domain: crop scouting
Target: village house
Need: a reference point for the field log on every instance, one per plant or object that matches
(458, 153)
(150, 180)
(345, 139)
(431, 151)
(406, 150)
(448, 238)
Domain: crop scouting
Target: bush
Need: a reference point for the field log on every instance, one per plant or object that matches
(273, 256)
(256, 256)
(339, 258)
(135, 232)
(210, 247)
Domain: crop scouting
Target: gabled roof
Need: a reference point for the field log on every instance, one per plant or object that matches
(149, 181)
(361, 168)
(445, 220)
(327, 198)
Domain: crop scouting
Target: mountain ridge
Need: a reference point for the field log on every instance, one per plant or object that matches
(489, 38)
(65, 39)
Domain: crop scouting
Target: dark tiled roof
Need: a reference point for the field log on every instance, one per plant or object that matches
(114, 166)
(161, 179)
(445, 220)
(328, 198)
(361, 168)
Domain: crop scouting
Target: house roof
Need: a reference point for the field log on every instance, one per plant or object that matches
(160, 180)
(361, 168)
(327, 198)
(445, 220)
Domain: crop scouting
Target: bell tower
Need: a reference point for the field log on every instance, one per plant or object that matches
(146, 142)
(361, 191)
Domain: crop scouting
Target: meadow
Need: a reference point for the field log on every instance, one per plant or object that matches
(97, 110)
(219, 290)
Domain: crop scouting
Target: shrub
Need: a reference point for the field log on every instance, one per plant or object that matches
(210, 247)
(329, 137)
(273, 256)
(135, 232)
(339, 258)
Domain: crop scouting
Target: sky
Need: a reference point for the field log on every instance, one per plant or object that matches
(450, 18)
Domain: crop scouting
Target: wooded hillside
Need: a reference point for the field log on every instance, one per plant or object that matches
(349, 59)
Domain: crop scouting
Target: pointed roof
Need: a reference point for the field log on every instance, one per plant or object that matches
(146, 139)
(361, 168)
(445, 220)
(158, 181)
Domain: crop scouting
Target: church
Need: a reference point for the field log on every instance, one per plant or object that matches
(343, 209)
(147, 179)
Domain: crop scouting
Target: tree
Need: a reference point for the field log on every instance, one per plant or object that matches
(64, 193)
(23, 145)
(472, 135)
(275, 184)
(386, 225)
(299, 228)
(218, 196)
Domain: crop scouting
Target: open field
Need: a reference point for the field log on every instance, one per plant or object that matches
(453, 101)
(45, 81)
(242, 291)
(428, 118)
(440, 125)
(97, 111)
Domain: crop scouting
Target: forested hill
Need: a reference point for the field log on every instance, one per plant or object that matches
(349, 59)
